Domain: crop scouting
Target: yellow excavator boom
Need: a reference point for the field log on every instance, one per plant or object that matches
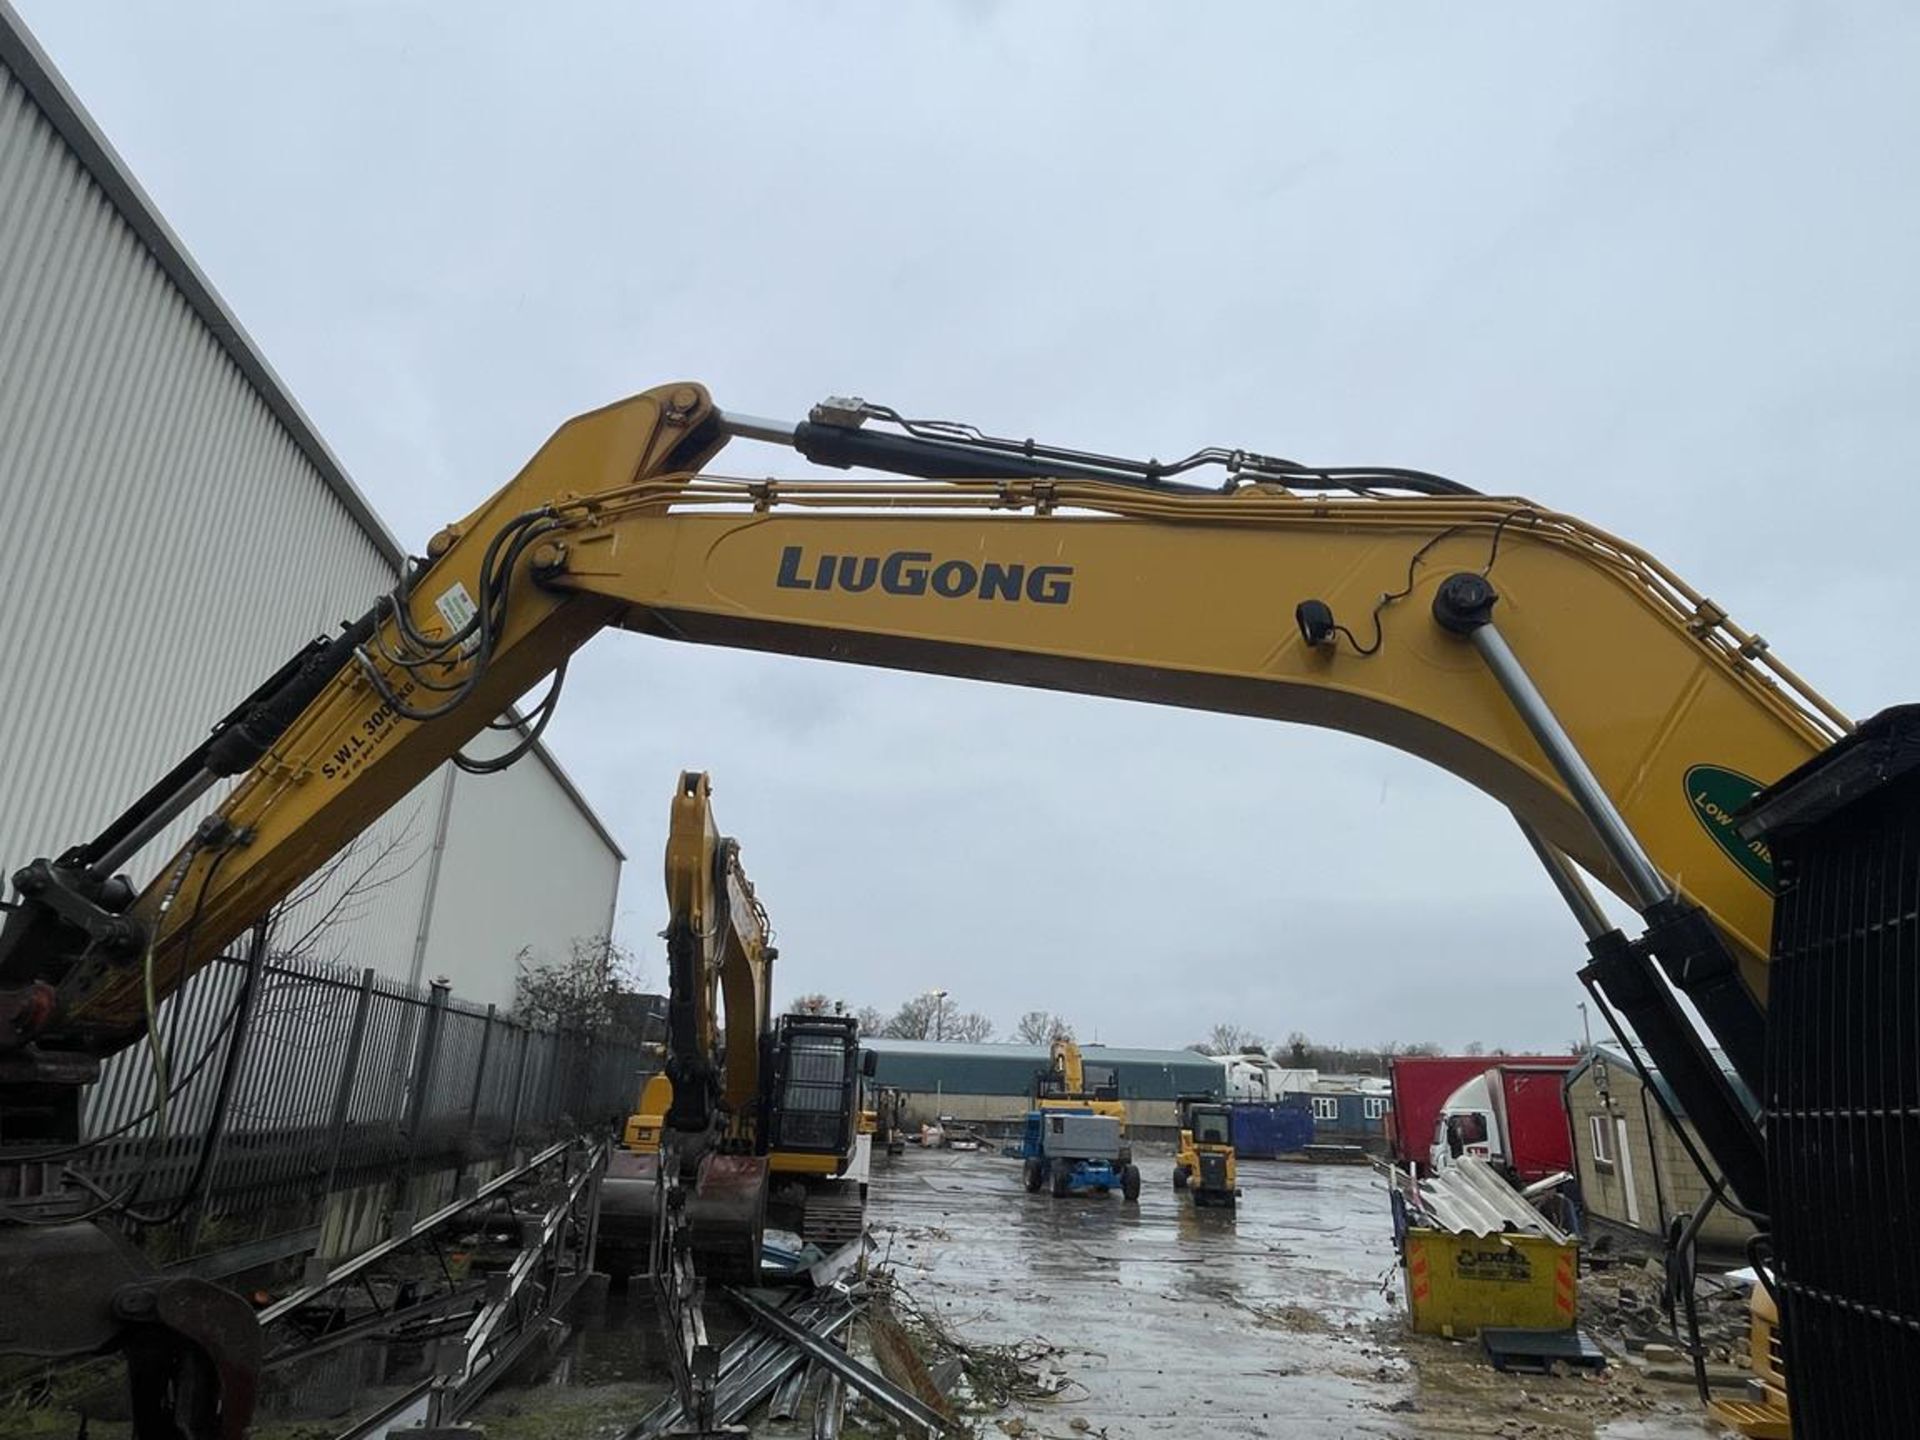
(1177, 598)
(1066, 1064)
(1274, 597)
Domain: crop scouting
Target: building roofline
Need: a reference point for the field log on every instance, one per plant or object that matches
(1011, 1050)
(21, 54)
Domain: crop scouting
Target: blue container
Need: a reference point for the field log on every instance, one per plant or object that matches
(1265, 1129)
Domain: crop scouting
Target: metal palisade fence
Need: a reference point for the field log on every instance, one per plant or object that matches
(332, 1079)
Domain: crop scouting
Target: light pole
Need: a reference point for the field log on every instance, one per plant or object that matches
(1586, 1030)
(939, 1004)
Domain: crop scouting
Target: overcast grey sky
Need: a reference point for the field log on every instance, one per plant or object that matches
(1650, 264)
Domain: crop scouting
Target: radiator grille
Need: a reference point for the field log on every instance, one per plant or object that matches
(1843, 1088)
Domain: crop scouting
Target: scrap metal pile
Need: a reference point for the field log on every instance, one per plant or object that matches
(795, 1345)
(1470, 1198)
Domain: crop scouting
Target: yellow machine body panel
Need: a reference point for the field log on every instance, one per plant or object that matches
(1763, 1415)
(642, 1133)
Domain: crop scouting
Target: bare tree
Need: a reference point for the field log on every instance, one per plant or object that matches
(1226, 1039)
(1301, 1053)
(1041, 1027)
(914, 1020)
(936, 1017)
(1474, 1047)
(347, 884)
(578, 992)
(292, 1018)
(871, 1021)
(969, 1027)
(816, 1004)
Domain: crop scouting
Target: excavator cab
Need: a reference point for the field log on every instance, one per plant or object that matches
(814, 1090)
(818, 1154)
(1098, 1082)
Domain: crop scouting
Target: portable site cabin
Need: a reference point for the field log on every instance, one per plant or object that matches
(1635, 1173)
(1348, 1111)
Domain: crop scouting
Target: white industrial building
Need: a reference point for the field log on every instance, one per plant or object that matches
(171, 530)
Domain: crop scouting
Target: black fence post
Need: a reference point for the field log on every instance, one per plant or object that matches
(349, 1075)
(519, 1086)
(556, 1063)
(236, 1058)
(479, 1086)
(422, 1088)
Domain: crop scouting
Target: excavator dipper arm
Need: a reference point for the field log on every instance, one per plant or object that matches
(703, 1191)
(718, 950)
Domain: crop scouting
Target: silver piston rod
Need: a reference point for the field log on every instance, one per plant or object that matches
(1679, 934)
(1464, 606)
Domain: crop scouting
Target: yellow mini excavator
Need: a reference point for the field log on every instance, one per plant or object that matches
(1622, 716)
(761, 1115)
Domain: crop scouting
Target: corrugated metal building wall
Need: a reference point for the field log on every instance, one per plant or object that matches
(173, 530)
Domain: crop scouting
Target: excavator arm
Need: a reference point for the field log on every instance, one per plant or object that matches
(709, 1150)
(1359, 601)
(718, 949)
(1066, 1064)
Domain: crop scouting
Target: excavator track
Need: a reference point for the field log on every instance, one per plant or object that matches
(835, 1212)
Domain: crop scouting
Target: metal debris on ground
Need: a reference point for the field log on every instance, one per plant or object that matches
(899, 1360)
(870, 1383)
(750, 1368)
(1627, 1305)
(796, 1343)
(986, 1377)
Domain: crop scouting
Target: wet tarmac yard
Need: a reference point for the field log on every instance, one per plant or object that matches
(1283, 1318)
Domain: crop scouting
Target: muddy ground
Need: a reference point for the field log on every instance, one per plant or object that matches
(1284, 1318)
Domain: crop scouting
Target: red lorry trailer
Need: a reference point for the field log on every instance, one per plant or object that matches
(1421, 1086)
(1512, 1116)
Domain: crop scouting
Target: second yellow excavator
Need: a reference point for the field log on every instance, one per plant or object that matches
(762, 1115)
(1069, 1082)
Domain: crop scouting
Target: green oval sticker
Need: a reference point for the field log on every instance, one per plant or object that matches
(1715, 794)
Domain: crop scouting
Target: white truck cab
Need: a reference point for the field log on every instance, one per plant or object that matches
(1467, 1125)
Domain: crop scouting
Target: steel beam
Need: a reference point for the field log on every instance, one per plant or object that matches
(875, 1387)
(308, 1293)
